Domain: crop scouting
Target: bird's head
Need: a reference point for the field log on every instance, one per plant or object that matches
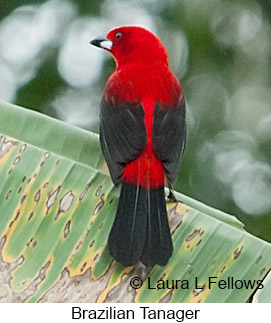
(134, 45)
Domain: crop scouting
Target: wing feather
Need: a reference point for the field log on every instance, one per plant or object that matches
(122, 135)
(169, 136)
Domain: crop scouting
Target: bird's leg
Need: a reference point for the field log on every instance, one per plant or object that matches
(171, 196)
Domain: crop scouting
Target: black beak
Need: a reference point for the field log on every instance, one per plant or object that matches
(102, 42)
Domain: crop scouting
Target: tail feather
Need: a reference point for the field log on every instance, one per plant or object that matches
(140, 230)
(125, 240)
(158, 244)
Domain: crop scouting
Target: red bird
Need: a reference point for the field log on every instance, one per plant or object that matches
(142, 135)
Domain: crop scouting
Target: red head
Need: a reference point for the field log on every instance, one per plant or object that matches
(133, 45)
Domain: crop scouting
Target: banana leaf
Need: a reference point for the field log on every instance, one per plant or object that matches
(57, 205)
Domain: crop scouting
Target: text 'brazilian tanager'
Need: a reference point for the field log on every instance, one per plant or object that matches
(142, 135)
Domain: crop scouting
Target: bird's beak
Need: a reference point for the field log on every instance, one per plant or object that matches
(102, 42)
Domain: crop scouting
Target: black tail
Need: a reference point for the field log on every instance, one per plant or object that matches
(140, 230)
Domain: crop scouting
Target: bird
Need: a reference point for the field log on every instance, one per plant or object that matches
(142, 138)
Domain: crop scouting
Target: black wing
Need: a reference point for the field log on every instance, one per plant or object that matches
(122, 135)
(169, 136)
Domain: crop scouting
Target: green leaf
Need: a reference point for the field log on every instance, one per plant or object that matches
(57, 205)
(263, 295)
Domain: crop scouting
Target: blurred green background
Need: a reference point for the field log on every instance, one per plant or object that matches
(219, 49)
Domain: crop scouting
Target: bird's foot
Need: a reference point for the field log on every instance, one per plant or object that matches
(171, 197)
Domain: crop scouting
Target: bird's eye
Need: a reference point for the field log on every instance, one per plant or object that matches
(118, 35)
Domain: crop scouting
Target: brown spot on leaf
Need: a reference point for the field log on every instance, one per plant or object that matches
(262, 271)
(83, 267)
(199, 242)
(23, 199)
(20, 189)
(92, 243)
(23, 148)
(29, 242)
(167, 297)
(24, 178)
(193, 235)
(52, 198)
(175, 219)
(8, 194)
(78, 245)
(17, 160)
(213, 263)
(259, 259)
(65, 202)
(37, 196)
(45, 185)
(99, 205)
(34, 244)
(98, 191)
(222, 269)
(30, 216)
(17, 215)
(67, 229)
(96, 257)
(47, 155)
(42, 163)
(237, 252)
(3, 241)
(82, 195)
(5, 146)
(42, 273)
(199, 290)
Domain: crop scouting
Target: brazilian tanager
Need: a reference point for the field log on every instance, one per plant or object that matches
(142, 136)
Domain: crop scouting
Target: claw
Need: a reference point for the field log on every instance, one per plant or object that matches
(171, 198)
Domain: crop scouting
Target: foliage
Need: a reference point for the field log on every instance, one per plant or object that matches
(219, 49)
(57, 204)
